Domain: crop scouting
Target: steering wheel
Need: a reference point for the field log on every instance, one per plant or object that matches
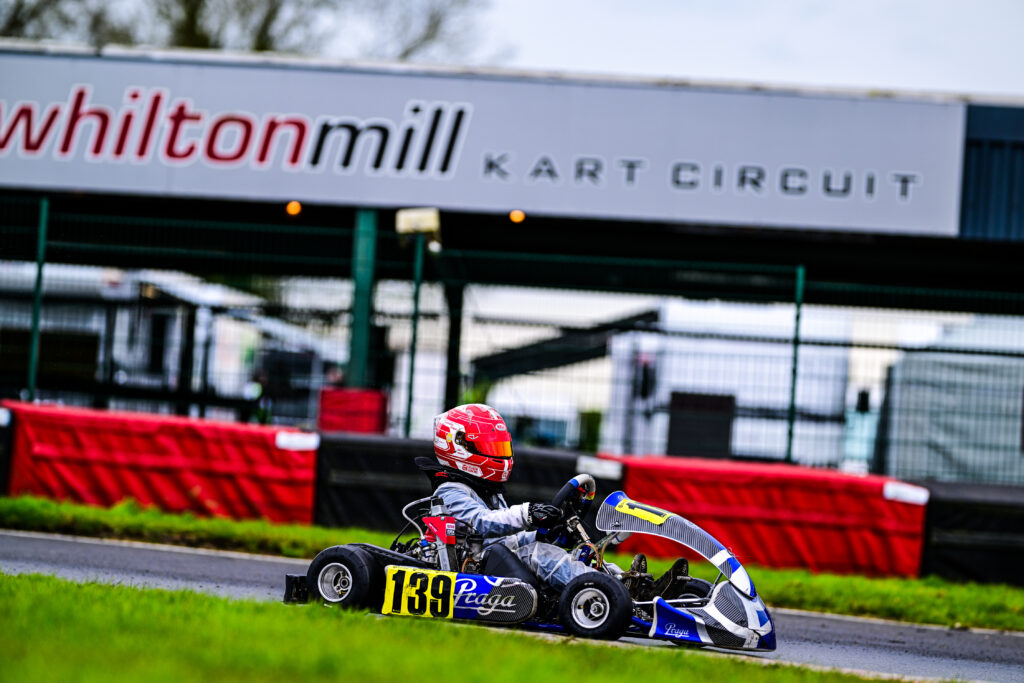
(576, 495)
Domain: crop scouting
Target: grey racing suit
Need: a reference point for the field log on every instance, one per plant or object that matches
(499, 523)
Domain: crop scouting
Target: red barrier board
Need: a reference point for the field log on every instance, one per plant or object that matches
(176, 464)
(780, 515)
(353, 410)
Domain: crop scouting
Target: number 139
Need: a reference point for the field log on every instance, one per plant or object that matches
(419, 593)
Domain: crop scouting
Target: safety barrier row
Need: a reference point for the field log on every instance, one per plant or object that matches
(175, 464)
(768, 514)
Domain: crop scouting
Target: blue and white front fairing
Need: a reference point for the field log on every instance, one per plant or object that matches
(719, 623)
(733, 616)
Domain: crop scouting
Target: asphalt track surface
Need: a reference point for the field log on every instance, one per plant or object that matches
(866, 646)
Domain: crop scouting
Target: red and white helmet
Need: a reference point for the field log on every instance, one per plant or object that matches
(474, 439)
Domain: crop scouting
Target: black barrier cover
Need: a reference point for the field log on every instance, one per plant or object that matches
(365, 480)
(974, 532)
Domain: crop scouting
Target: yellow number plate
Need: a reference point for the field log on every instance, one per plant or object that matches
(419, 592)
(648, 513)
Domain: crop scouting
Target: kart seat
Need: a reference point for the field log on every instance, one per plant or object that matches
(500, 561)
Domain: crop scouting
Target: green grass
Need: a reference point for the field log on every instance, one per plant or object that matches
(128, 520)
(929, 601)
(56, 630)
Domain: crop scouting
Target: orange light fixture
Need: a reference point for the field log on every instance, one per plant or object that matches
(516, 216)
(293, 208)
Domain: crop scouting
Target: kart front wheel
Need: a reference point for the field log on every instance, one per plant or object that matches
(343, 576)
(595, 605)
(696, 588)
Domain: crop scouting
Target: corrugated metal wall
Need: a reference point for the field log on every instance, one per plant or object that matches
(992, 204)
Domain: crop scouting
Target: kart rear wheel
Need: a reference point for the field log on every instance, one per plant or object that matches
(595, 605)
(344, 576)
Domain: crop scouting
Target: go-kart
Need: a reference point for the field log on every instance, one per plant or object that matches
(446, 572)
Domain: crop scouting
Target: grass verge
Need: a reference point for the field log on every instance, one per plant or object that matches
(128, 520)
(56, 630)
(928, 601)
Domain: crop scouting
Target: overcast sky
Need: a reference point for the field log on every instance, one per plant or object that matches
(971, 46)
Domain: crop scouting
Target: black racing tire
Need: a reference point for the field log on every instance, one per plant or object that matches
(594, 605)
(696, 588)
(345, 577)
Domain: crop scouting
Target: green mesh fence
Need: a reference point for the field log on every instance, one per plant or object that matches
(252, 320)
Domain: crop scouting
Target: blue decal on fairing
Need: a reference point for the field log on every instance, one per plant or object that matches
(767, 641)
(672, 624)
(474, 599)
(614, 498)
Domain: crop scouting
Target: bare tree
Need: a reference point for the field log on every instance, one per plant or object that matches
(191, 23)
(104, 27)
(385, 29)
(257, 25)
(37, 19)
(425, 30)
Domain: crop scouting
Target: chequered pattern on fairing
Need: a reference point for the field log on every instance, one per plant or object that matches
(675, 527)
(521, 605)
(730, 604)
(717, 632)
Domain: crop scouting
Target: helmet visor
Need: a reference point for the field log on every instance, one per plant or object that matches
(492, 449)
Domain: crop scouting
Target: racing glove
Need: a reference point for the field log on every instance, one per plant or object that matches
(542, 516)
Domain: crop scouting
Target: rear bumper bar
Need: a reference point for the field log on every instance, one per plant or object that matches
(295, 588)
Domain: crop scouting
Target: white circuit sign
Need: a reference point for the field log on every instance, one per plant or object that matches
(264, 130)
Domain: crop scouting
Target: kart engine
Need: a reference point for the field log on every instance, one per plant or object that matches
(445, 542)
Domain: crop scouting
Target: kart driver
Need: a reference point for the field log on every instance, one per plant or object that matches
(473, 445)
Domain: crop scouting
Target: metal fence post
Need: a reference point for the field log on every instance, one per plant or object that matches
(417, 281)
(798, 297)
(364, 251)
(454, 295)
(37, 297)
